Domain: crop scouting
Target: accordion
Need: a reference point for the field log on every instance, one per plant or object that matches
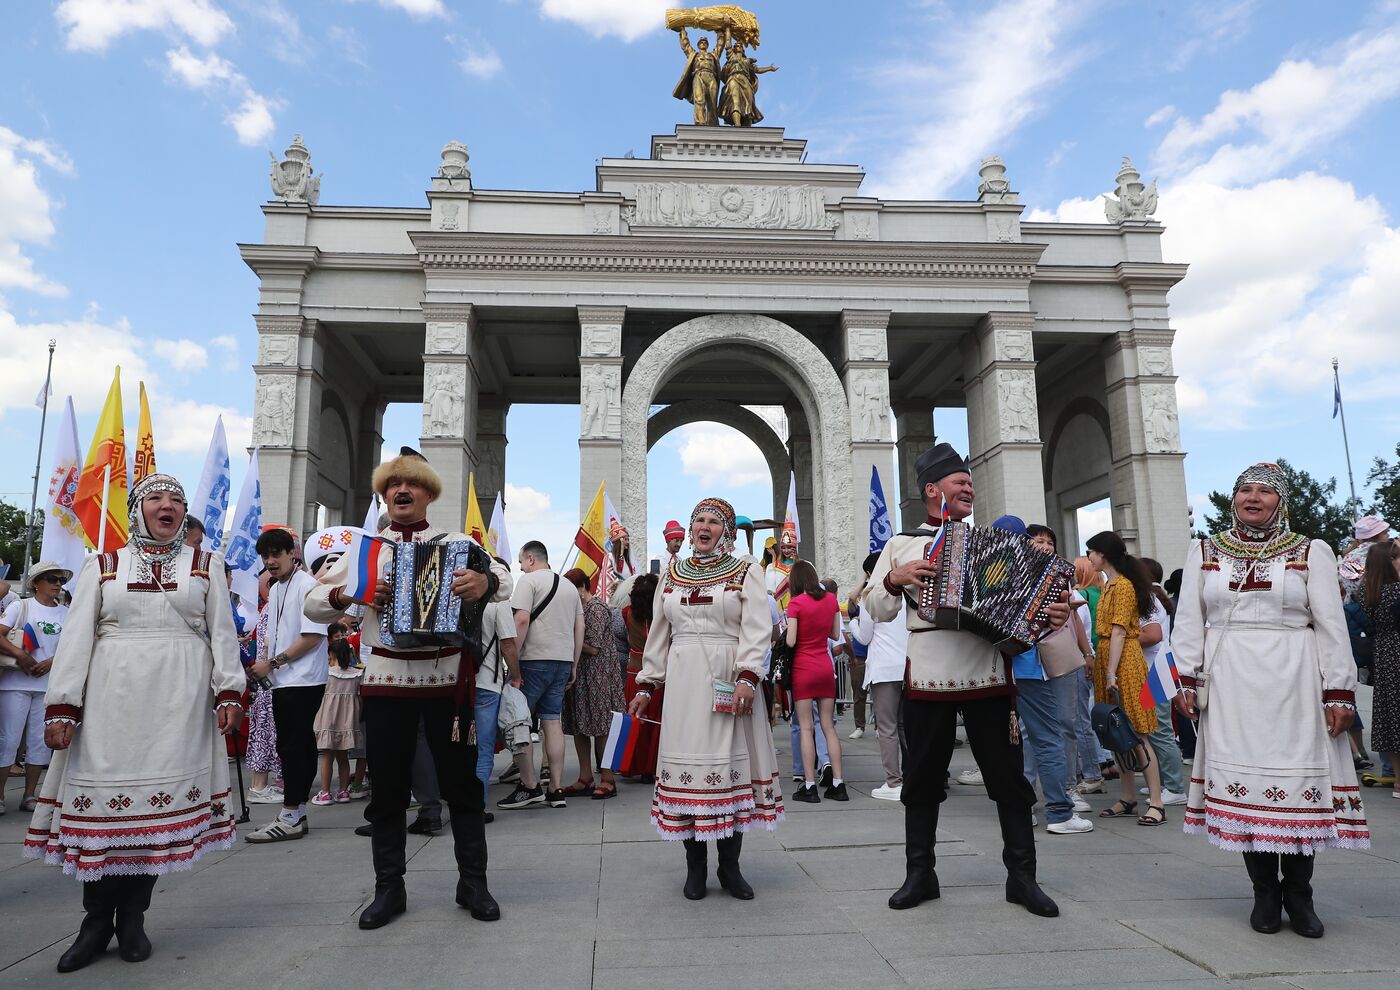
(422, 609)
(994, 584)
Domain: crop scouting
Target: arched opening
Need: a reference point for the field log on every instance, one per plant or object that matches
(335, 481)
(1078, 469)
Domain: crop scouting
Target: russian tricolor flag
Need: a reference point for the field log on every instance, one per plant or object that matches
(629, 741)
(31, 643)
(1163, 682)
(369, 557)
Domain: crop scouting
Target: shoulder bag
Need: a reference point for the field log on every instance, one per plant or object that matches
(16, 636)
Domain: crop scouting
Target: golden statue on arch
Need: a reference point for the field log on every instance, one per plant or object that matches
(718, 92)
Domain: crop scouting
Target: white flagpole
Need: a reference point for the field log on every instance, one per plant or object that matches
(106, 490)
(1346, 445)
(38, 462)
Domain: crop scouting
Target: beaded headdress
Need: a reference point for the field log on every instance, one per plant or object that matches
(146, 550)
(1270, 476)
(725, 511)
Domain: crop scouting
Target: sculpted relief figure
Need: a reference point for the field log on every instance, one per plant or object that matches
(1159, 420)
(873, 408)
(276, 411)
(445, 404)
(1019, 420)
(699, 83)
(738, 101)
(598, 385)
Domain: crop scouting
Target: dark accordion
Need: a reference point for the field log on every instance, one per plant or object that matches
(422, 609)
(994, 584)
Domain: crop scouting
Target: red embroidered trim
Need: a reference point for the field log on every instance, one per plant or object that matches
(228, 697)
(107, 566)
(1349, 697)
(748, 677)
(1188, 682)
(896, 592)
(335, 599)
(75, 712)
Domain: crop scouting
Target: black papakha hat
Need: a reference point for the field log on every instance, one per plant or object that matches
(937, 463)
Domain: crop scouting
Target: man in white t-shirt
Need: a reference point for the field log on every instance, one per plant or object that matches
(500, 665)
(22, 687)
(297, 667)
(549, 634)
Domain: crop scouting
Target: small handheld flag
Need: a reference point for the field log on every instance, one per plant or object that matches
(632, 745)
(1163, 682)
(31, 643)
(369, 557)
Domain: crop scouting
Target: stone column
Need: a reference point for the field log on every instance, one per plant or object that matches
(1149, 480)
(1003, 419)
(865, 373)
(451, 384)
(369, 443)
(490, 451)
(600, 405)
(287, 418)
(914, 434)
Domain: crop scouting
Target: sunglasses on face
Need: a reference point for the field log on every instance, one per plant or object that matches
(50, 578)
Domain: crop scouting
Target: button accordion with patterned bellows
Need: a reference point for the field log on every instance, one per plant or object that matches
(422, 610)
(992, 583)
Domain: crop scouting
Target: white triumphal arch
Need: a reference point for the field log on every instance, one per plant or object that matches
(721, 271)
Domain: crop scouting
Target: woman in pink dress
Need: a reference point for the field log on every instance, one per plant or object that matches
(813, 620)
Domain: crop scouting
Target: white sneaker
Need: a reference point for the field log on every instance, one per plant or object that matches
(279, 831)
(1092, 787)
(1078, 802)
(267, 795)
(887, 793)
(1172, 797)
(1073, 826)
(970, 777)
(858, 733)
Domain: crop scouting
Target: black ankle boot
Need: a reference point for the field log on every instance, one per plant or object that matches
(920, 881)
(728, 870)
(390, 897)
(95, 932)
(1267, 916)
(695, 870)
(469, 844)
(1018, 853)
(134, 900)
(1297, 895)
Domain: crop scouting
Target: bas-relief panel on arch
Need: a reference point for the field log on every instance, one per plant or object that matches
(1154, 360)
(602, 340)
(274, 412)
(1016, 403)
(446, 338)
(870, 405)
(684, 204)
(278, 349)
(1014, 345)
(600, 405)
(444, 404)
(1160, 427)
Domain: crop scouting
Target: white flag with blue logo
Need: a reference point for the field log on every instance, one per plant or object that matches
(210, 503)
(880, 527)
(242, 554)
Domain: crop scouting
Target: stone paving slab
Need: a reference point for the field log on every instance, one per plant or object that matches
(591, 897)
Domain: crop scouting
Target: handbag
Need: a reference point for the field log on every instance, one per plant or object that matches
(1059, 652)
(1116, 734)
(16, 636)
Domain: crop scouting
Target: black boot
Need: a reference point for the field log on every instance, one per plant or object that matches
(95, 932)
(134, 898)
(695, 870)
(390, 863)
(728, 870)
(1297, 895)
(920, 881)
(1018, 853)
(1267, 916)
(469, 843)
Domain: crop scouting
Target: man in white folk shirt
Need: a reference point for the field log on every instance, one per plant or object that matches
(888, 644)
(402, 687)
(297, 668)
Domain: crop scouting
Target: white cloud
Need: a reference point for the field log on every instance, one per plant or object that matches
(1215, 24)
(531, 515)
(252, 121)
(182, 354)
(421, 9)
(627, 19)
(718, 454)
(184, 426)
(26, 211)
(1069, 211)
(87, 351)
(480, 61)
(92, 25)
(347, 41)
(1298, 109)
(1160, 116)
(980, 82)
(201, 72)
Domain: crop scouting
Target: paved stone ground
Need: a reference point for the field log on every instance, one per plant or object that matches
(591, 898)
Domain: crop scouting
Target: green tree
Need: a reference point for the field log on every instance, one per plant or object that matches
(12, 533)
(1384, 478)
(1312, 508)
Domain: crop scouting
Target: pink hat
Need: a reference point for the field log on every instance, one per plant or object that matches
(1369, 527)
(673, 531)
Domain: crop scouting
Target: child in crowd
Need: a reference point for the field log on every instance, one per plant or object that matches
(338, 722)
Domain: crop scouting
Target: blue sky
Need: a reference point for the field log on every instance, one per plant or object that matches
(134, 140)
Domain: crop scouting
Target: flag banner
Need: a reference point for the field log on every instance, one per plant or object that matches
(100, 501)
(475, 525)
(145, 461)
(31, 643)
(372, 557)
(790, 521)
(880, 527)
(591, 541)
(242, 553)
(497, 530)
(1336, 395)
(1163, 682)
(63, 531)
(632, 746)
(210, 503)
(615, 533)
(45, 393)
(372, 515)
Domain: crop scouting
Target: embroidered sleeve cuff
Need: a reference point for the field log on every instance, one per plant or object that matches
(645, 688)
(1344, 697)
(892, 589)
(1189, 683)
(337, 602)
(64, 713)
(1339, 704)
(228, 698)
(748, 677)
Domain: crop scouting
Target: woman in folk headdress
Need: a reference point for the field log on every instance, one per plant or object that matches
(1261, 644)
(716, 775)
(145, 674)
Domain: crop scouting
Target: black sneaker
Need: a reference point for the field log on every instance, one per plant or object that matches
(521, 797)
(837, 792)
(555, 799)
(424, 825)
(807, 795)
(825, 775)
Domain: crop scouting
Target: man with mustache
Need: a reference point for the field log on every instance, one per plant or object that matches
(402, 687)
(952, 671)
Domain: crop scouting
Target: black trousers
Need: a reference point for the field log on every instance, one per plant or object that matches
(391, 736)
(294, 713)
(930, 728)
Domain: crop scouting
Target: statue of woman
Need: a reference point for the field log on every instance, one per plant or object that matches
(737, 100)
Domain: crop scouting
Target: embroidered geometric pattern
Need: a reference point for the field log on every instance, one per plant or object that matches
(82, 802)
(193, 794)
(119, 802)
(1275, 794)
(1312, 795)
(688, 574)
(1237, 789)
(160, 799)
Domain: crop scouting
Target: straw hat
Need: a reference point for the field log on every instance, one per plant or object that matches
(45, 567)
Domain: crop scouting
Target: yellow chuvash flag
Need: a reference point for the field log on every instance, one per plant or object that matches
(108, 451)
(145, 461)
(592, 539)
(475, 525)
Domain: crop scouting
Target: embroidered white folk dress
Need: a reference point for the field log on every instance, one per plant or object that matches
(1267, 777)
(144, 786)
(716, 773)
